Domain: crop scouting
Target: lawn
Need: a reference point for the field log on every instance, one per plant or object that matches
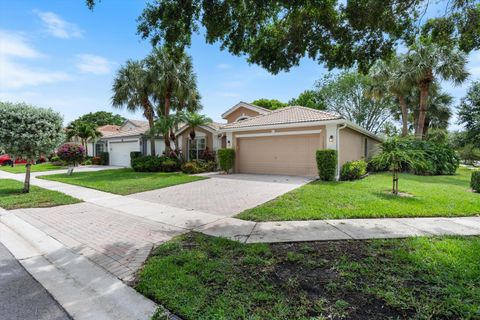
(20, 168)
(200, 277)
(123, 181)
(370, 198)
(11, 196)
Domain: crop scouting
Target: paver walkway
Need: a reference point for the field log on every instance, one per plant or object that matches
(117, 232)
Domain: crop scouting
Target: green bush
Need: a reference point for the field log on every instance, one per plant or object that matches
(353, 170)
(168, 165)
(475, 181)
(226, 159)
(105, 158)
(327, 164)
(147, 164)
(134, 155)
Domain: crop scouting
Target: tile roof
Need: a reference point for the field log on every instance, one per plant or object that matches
(141, 128)
(108, 128)
(292, 114)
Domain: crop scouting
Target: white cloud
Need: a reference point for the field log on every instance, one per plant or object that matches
(89, 63)
(15, 74)
(58, 27)
(14, 45)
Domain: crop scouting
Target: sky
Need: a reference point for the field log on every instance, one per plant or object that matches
(59, 54)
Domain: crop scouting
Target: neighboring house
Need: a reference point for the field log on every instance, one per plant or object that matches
(120, 141)
(284, 141)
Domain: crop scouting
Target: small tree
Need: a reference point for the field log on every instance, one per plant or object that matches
(29, 132)
(394, 156)
(71, 153)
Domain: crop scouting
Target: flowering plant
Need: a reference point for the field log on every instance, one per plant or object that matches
(72, 153)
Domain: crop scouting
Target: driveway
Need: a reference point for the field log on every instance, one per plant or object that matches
(224, 195)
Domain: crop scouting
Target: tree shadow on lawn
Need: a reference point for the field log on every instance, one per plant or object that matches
(388, 195)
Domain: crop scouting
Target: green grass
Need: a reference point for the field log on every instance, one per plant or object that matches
(370, 198)
(11, 196)
(20, 168)
(200, 277)
(123, 181)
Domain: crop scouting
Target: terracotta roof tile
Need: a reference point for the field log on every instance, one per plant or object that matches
(292, 114)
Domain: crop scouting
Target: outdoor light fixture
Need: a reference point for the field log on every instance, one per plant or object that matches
(330, 139)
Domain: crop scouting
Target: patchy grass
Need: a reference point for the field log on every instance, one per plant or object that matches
(370, 198)
(20, 168)
(123, 181)
(202, 277)
(11, 196)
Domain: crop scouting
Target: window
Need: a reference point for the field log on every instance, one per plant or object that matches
(196, 146)
(99, 148)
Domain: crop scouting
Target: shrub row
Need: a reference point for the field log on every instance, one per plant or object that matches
(198, 166)
(154, 164)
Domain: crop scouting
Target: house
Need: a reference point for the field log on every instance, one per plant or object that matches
(119, 141)
(283, 141)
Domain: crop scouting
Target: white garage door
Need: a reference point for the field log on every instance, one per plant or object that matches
(284, 155)
(120, 152)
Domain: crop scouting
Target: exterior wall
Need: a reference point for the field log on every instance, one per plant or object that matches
(352, 146)
(159, 147)
(242, 111)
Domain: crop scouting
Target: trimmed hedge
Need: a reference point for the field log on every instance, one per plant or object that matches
(134, 155)
(327, 164)
(475, 181)
(353, 170)
(105, 158)
(147, 164)
(226, 159)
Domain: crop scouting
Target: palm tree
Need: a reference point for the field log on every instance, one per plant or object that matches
(132, 87)
(195, 120)
(389, 77)
(427, 62)
(85, 131)
(175, 82)
(163, 125)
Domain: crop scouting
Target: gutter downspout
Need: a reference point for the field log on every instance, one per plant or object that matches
(338, 149)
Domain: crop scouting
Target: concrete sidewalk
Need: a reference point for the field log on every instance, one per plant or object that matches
(341, 229)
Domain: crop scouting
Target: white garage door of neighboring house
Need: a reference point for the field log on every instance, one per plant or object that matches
(284, 155)
(120, 152)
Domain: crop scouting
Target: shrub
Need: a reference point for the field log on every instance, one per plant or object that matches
(353, 170)
(437, 159)
(147, 164)
(327, 164)
(56, 161)
(71, 153)
(226, 159)
(475, 181)
(169, 165)
(97, 160)
(191, 167)
(105, 156)
(134, 155)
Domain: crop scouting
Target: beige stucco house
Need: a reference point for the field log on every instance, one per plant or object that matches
(282, 141)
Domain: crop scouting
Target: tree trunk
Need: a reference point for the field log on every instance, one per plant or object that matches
(424, 87)
(166, 138)
(403, 106)
(152, 138)
(26, 185)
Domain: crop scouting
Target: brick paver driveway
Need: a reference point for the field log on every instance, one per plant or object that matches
(224, 195)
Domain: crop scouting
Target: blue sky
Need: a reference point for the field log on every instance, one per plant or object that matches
(59, 54)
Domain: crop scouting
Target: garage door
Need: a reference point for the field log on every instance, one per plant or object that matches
(284, 155)
(120, 152)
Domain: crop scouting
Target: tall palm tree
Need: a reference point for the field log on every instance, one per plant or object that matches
(389, 78)
(133, 88)
(83, 130)
(195, 120)
(175, 82)
(427, 62)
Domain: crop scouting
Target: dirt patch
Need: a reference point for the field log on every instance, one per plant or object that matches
(314, 268)
(400, 194)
